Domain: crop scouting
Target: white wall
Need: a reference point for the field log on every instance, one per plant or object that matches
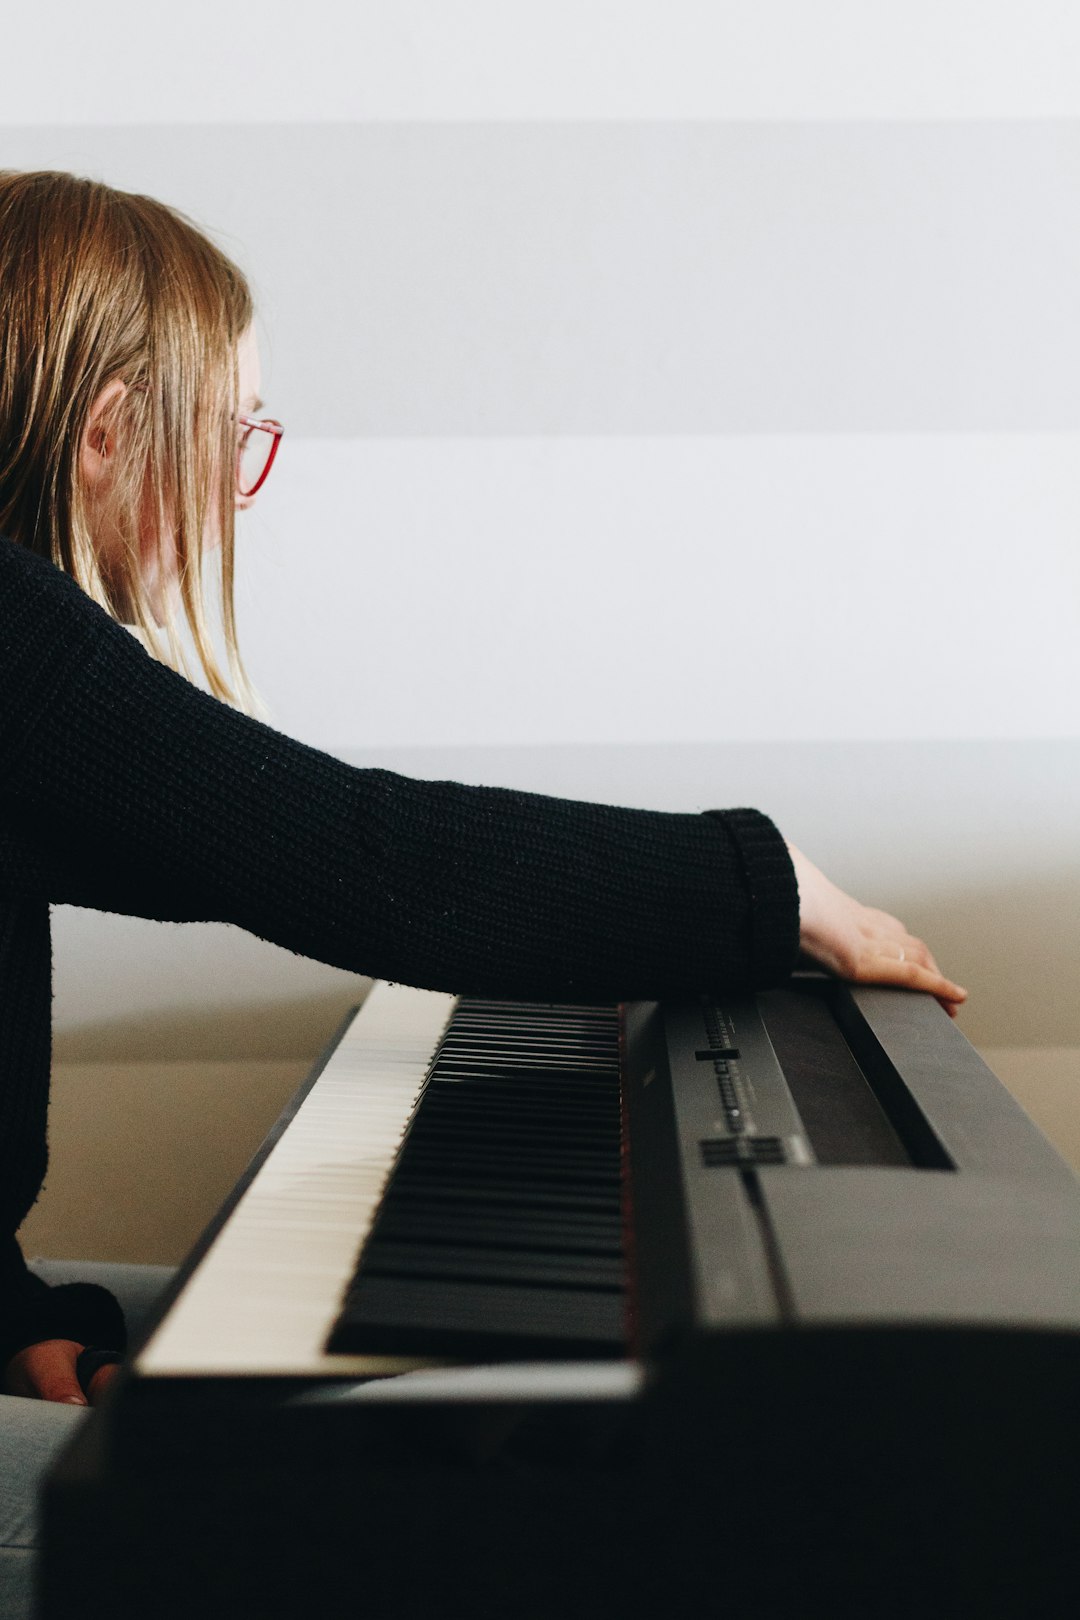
(701, 373)
(217, 61)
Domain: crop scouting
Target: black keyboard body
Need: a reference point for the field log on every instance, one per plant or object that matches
(772, 1309)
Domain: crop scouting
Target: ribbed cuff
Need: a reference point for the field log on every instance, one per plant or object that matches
(773, 890)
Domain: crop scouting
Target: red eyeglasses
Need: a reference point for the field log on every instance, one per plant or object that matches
(255, 452)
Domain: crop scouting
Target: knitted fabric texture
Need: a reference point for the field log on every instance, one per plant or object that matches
(123, 787)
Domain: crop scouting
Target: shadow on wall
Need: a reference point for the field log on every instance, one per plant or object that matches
(143, 1153)
(258, 1029)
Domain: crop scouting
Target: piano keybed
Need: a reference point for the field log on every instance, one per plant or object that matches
(469, 1152)
(500, 1234)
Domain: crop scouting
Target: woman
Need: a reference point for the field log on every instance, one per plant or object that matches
(128, 440)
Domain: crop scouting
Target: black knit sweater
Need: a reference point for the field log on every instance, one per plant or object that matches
(124, 788)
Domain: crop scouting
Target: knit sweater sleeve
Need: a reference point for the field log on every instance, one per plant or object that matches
(125, 788)
(31, 1310)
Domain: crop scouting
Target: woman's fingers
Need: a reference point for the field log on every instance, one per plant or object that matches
(861, 943)
(909, 964)
(98, 1386)
(46, 1372)
(912, 973)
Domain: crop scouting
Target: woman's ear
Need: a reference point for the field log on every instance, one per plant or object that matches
(97, 452)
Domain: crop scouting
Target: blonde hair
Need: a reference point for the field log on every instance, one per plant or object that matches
(99, 286)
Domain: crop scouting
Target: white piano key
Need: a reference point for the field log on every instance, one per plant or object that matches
(264, 1297)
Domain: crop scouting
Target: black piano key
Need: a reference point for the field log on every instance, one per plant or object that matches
(514, 1230)
(517, 1113)
(543, 1135)
(514, 1149)
(494, 1193)
(479, 1320)
(502, 1224)
(469, 1109)
(538, 1162)
(579, 1102)
(467, 1264)
(532, 1194)
(571, 1114)
(564, 1102)
(488, 1039)
(510, 1152)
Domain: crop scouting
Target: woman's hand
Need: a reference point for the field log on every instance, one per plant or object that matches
(46, 1372)
(858, 943)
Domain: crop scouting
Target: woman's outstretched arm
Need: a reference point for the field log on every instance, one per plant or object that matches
(125, 788)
